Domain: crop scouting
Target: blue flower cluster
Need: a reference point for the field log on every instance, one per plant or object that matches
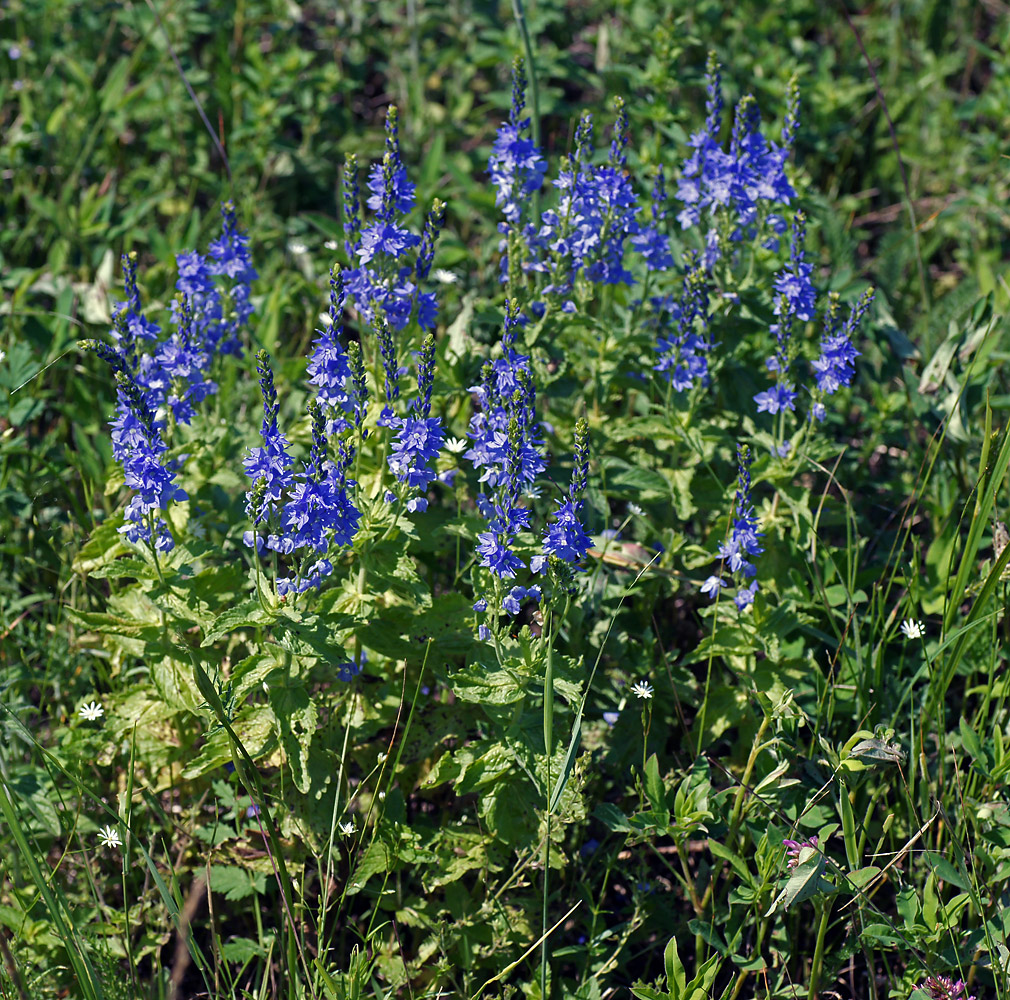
(158, 377)
(506, 393)
(683, 344)
(834, 368)
(219, 310)
(311, 509)
(138, 442)
(597, 211)
(565, 538)
(269, 465)
(383, 286)
(317, 513)
(743, 541)
(506, 449)
(596, 214)
(739, 182)
(419, 436)
(651, 240)
(795, 299)
(516, 166)
(329, 368)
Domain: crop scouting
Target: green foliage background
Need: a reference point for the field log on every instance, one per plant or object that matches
(104, 150)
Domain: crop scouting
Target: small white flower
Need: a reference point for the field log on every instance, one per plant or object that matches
(297, 247)
(643, 689)
(3, 354)
(330, 244)
(913, 629)
(635, 509)
(456, 445)
(92, 712)
(108, 836)
(382, 757)
(445, 277)
(347, 827)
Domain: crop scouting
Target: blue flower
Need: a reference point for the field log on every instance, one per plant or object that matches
(317, 513)
(712, 585)
(415, 447)
(419, 436)
(511, 602)
(683, 348)
(381, 288)
(516, 165)
(794, 292)
(231, 250)
(496, 554)
(744, 539)
(139, 445)
(271, 462)
(385, 238)
(506, 447)
(566, 538)
(779, 397)
(751, 173)
(835, 367)
(329, 368)
(350, 669)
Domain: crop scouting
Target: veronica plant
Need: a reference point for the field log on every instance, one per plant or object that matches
(384, 285)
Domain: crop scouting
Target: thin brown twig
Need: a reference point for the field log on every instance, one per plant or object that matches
(12, 969)
(182, 957)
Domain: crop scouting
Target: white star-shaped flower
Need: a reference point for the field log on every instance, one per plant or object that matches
(92, 712)
(912, 629)
(108, 836)
(445, 277)
(347, 827)
(456, 445)
(643, 689)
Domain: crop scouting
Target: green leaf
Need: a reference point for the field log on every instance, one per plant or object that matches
(882, 934)
(971, 742)
(654, 785)
(236, 883)
(648, 993)
(634, 481)
(296, 720)
(736, 862)
(946, 872)
(804, 883)
(612, 818)
(862, 877)
(676, 978)
(485, 686)
(312, 636)
(378, 857)
(247, 613)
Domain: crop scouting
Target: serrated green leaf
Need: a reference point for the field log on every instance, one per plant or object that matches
(249, 612)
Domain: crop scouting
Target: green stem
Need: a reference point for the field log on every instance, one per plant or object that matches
(815, 968)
